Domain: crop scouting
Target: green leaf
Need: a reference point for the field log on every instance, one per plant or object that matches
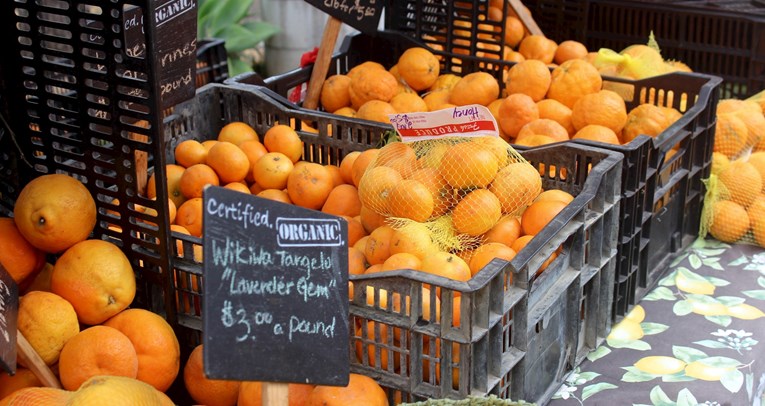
(749, 378)
(688, 354)
(590, 390)
(720, 362)
(717, 281)
(237, 38)
(678, 377)
(723, 321)
(695, 261)
(637, 345)
(686, 398)
(715, 244)
(761, 281)
(732, 380)
(730, 300)
(598, 353)
(635, 375)
(587, 376)
(739, 261)
(702, 299)
(653, 328)
(711, 344)
(682, 308)
(261, 30)
(237, 66)
(668, 280)
(716, 266)
(690, 275)
(230, 13)
(660, 293)
(678, 260)
(659, 398)
(755, 294)
(711, 252)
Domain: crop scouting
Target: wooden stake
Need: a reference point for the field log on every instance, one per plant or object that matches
(32, 360)
(526, 19)
(275, 394)
(321, 66)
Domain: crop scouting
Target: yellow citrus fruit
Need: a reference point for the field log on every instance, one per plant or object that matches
(660, 365)
(708, 309)
(694, 286)
(637, 314)
(47, 321)
(699, 370)
(117, 391)
(626, 330)
(745, 312)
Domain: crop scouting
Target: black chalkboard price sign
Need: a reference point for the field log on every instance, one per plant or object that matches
(9, 309)
(363, 15)
(275, 291)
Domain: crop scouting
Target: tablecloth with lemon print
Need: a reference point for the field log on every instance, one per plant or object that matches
(697, 338)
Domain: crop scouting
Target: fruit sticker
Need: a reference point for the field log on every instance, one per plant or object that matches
(464, 121)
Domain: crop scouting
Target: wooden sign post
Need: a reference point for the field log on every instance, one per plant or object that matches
(363, 15)
(9, 310)
(275, 293)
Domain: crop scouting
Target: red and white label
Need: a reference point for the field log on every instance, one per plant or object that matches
(464, 121)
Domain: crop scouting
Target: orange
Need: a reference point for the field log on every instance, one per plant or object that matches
(47, 321)
(475, 88)
(117, 391)
(208, 144)
(195, 178)
(346, 166)
(343, 200)
(41, 281)
(437, 99)
(573, 79)
(24, 378)
(364, 66)
(543, 126)
(377, 248)
(276, 195)
(375, 187)
(521, 242)
(516, 186)
(469, 164)
(228, 161)
(539, 214)
(345, 111)
(271, 170)
(19, 258)
(595, 132)
(205, 391)
(555, 194)
(98, 350)
(361, 163)
(486, 253)
(413, 239)
(645, 119)
(477, 212)
(239, 187)
(569, 49)
(530, 77)
(309, 185)
(535, 140)
(361, 390)
(444, 81)
(756, 212)
(375, 110)
(514, 31)
(237, 132)
(251, 393)
(355, 229)
(410, 199)
(742, 181)
(379, 333)
(173, 175)
(604, 108)
(190, 152)
(96, 277)
(372, 84)
(356, 261)
(538, 47)
(401, 260)
(189, 215)
(731, 135)
(419, 68)
(334, 93)
(155, 343)
(37, 396)
(730, 221)
(506, 231)
(399, 156)
(337, 177)
(558, 112)
(516, 111)
(54, 212)
(254, 150)
(408, 103)
(370, 220)
(373, 269)
(757, 160)
(282, 138)
(447, 265)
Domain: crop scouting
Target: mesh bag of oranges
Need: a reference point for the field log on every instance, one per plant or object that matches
(457, 188)
(734, 205)
(637, 61)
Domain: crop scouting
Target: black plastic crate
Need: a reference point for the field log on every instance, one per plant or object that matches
(212, 61)
(719, 37)
(494, 328)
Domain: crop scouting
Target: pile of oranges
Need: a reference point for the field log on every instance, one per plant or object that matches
(74, 312)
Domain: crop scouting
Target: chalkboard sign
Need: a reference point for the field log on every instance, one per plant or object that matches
(363, 15)
(275, 291)
(176, 49)
(9, 309)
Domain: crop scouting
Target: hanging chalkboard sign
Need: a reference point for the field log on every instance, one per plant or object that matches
(176, 49)
(363, 15)
(275, 304)
(9, 309)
